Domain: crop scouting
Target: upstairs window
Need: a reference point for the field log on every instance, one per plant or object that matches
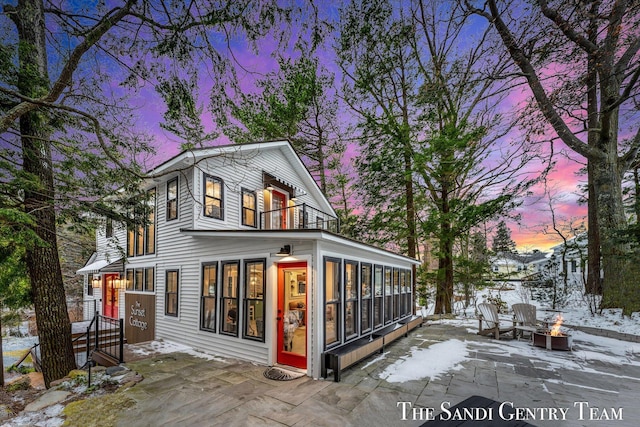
(150, 226)
(213, 203)
(109, 228)
(248, 208)
(172, 199)
(141, 239)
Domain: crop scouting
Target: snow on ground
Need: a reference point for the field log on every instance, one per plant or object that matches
(576, 311)
(407, 368)
(587, 348)
(440, 358)
(166, 347)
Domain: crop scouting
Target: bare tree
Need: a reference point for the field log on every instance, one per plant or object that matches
(593, 46)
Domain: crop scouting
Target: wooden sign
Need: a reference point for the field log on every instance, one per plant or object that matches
(140, 317)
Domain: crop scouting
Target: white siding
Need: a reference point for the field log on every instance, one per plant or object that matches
(186, 327)
(245, 171)
(176, 250)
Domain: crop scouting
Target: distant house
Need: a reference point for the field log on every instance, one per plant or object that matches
(515, 266)
(242, 256)
(574, 253)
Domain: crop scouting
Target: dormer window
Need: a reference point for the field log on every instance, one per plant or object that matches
(213, 203)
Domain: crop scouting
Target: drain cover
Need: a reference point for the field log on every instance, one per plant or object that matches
(280, 374)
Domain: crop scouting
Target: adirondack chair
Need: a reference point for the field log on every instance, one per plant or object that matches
(489, 323)
(524, 319)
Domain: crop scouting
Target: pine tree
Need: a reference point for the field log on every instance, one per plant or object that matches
(69, 142)
(502, 242)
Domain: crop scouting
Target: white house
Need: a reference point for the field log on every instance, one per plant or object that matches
(242, 257)
(516, 266)
(574, 253)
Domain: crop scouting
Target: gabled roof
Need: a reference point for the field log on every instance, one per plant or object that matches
(191, 157)
(521, 258)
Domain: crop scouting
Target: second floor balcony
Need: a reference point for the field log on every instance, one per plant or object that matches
(300, 216)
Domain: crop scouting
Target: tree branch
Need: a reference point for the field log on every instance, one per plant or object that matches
(566, 28)
(105, 24)
(546, 106)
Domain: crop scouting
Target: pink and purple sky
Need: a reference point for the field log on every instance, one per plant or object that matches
(528, 233)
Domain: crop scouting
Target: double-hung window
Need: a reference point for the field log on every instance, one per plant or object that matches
(209, 293)
(172, 199)
(248, 208)
(254, 287)
(378, 314)
(150, 226)
(171, 293)
(365, 292)
(213, 197)
(388, 296)
(351, 299)
(229, 309)
(396, 293)
(332, 301)
(141, 239)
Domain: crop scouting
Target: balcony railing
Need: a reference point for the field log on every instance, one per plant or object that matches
(298, 217)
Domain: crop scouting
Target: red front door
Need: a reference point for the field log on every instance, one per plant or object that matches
(292, 314)
(110, 296)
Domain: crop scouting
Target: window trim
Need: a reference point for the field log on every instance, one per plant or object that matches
(397, 304)
(223, 299)
(354, 299)
(246, 300)
(216, 287)
(380, 298)
(246, 191)
(205, 196)
(388, 296)
(138, 235)
(366, 299)
(167, 293)
(335, 302)
(167, 216)
(149, 222)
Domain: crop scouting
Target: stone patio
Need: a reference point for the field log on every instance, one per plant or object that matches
(181, 389)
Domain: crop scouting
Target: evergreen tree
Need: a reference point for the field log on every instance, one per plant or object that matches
(502, 242)
(293, 103)
(69, 144)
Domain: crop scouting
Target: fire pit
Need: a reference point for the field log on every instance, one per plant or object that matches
(553, 339)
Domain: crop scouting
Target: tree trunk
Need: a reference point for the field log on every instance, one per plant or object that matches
(444, 291)
(618, 289)
(54, 327)
(594, 284)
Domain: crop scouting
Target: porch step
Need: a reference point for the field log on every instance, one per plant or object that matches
(104, 359)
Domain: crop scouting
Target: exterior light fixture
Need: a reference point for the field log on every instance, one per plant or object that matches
(269, 187)
(119, 283)
(96, 282)
(284, 251)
